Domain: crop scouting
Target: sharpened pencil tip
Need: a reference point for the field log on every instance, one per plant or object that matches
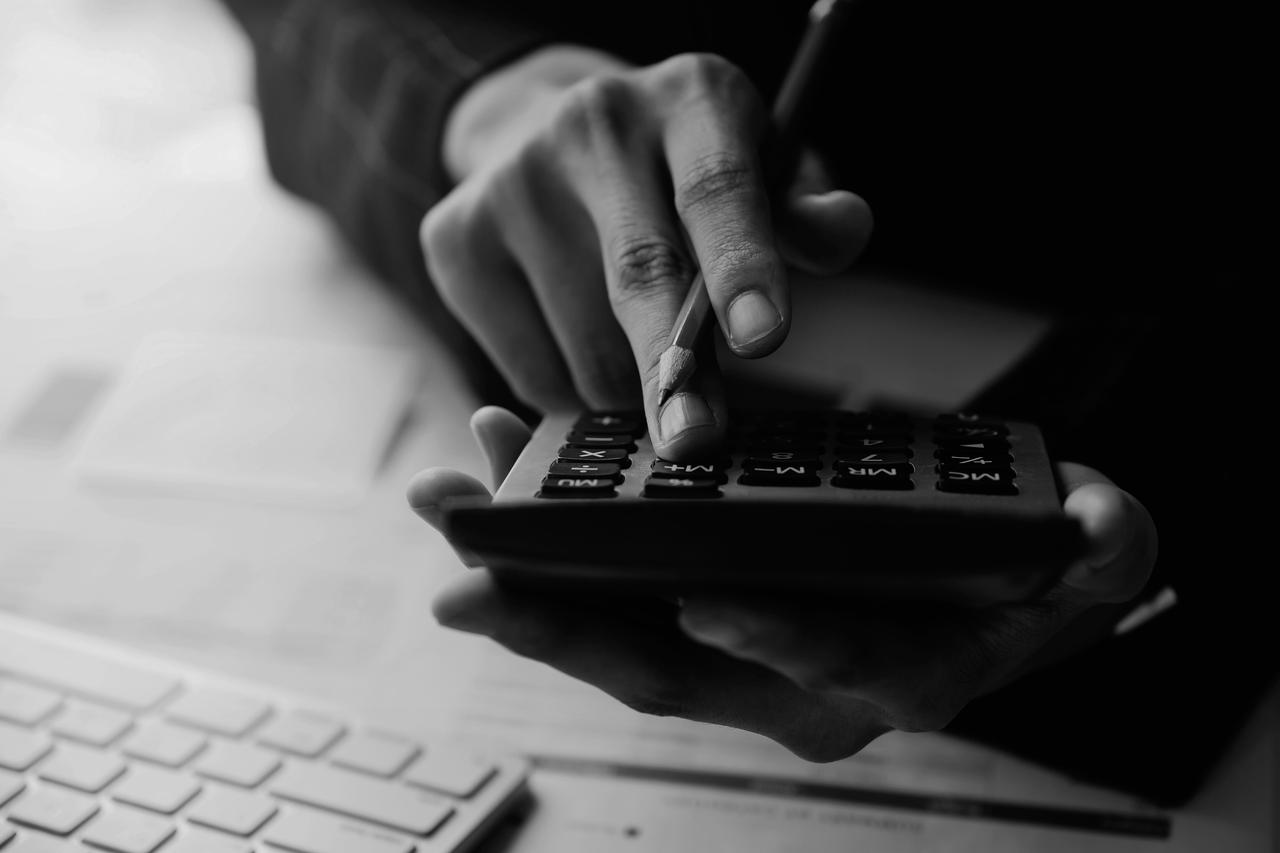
(663, 396)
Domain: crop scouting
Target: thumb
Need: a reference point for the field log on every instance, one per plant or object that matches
(1122, 537)
(501, 436)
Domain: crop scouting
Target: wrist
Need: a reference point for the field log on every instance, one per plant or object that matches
(504, 107)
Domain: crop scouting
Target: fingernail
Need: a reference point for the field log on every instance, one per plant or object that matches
(684, 412)
(751, 317)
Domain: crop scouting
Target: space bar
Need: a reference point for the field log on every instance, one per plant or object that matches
(81, 673)
(375, 800)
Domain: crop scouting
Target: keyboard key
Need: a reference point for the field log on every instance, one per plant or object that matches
(301, 733)
(576, 487)
(90, 723)
(230, 810)
(156, 789)
(21, 748)
(315, 832)
(162, 743)
(192, 839)
(25, 704)
(82, 768)
(356, 795)
(11, 784)
(43, 844)
(222, 713)
(377, 754)
(127, 830)
(240, 764)
(53, 809)
(998, 482)
(606, 470)
(681, 487)
(85, 674)
(593, 454)
(454, 773)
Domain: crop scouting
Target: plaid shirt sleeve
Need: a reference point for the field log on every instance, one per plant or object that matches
(353, 96)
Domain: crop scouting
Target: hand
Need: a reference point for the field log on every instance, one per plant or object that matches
(823, 678)
(588, 195)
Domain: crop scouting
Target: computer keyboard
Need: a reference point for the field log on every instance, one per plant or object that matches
(107, 750)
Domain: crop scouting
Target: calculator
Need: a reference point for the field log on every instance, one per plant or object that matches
(953, 507)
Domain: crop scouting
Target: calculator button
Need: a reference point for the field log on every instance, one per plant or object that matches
(954, 461)
(884, 419)
(681, 487)
(593, 454)
(606, 470)
(962, 419)
(998, 482)
(691, 470)
(808, 458)
(578, 438)
(875, 457)
(847, 438)
(779, 475)
(858, 476)
(874, 442)
(757, 444)
(963, 432)
(576, 487)
(949, 444)
(611, 423)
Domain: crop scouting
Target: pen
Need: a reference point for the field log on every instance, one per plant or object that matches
(677, 362)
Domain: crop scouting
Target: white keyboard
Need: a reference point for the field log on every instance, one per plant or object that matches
(110, 751)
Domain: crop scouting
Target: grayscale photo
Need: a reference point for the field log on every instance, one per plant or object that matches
(469, 426)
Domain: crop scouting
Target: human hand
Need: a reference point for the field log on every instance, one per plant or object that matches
(588, 195)
(823, 678)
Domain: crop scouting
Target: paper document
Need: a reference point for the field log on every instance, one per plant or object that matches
(250, 419)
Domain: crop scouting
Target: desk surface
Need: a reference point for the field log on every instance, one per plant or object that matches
(134, 200)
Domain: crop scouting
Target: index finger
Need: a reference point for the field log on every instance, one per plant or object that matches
(723, 202)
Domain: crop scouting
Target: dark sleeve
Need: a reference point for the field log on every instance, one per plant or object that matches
(353, 96)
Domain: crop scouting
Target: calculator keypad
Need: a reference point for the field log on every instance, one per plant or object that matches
(885, 451)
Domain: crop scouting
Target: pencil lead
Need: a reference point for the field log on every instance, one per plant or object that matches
(663, 396)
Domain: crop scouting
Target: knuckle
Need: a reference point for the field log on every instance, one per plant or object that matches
(593, 108)
(647, 264)
(701, 73)
(712, 179)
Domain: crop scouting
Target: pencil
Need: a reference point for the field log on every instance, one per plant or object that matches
(826, 17)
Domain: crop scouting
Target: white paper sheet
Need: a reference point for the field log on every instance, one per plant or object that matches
(250, 419)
